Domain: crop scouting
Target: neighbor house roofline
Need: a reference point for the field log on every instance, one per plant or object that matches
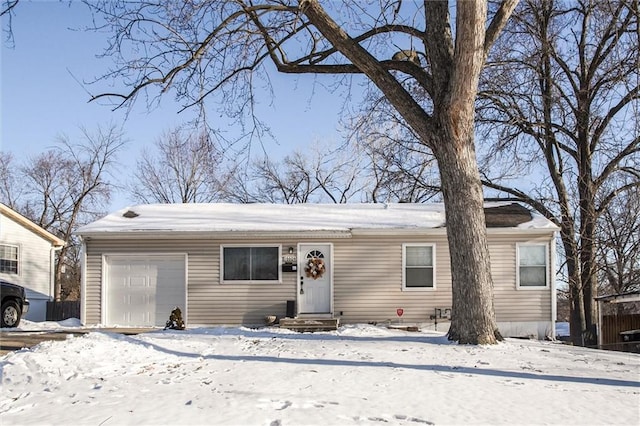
(30, 225)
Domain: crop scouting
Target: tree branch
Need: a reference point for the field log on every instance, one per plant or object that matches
(498, 23)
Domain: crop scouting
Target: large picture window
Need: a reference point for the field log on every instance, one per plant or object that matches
(532, 265)
(8, 259)
(250, 264)
(418, 266)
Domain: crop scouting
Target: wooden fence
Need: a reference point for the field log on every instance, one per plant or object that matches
(58, 311)
(613, 325)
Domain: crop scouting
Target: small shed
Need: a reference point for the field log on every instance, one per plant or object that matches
(618, 332)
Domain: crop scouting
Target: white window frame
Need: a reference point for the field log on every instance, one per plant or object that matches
(279, 257)
(17, 259)
(546, 265)
(404, 266)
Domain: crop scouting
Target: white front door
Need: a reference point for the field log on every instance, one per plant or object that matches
(314, 284)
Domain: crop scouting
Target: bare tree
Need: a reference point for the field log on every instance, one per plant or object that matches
(400, 168)
(223, 47)
(66, 187)
(6, 13)
(9, 189)
(618, 242)
(562, 100)
(401, 173)
(183, 169)
(316, 175)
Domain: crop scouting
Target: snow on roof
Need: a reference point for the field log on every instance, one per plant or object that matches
(224, 217)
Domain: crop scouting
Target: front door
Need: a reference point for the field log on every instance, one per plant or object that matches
(314, 285)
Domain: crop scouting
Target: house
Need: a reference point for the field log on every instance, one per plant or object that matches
(230, 264)
(27, 258)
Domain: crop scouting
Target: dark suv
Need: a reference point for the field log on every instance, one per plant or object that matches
(14, 304)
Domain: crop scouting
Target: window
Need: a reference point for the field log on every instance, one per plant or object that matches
(250, 264)
(418, 266)
(532, 265)
(8, 259)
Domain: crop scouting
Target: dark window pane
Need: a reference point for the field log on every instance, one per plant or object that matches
(419, 277)
(250, 263)
(533, 276)
(264, 263)
(236, 263)
(8, 259)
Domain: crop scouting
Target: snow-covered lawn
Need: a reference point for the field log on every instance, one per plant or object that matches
(358, 375)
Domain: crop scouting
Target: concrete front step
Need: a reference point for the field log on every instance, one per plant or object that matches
(310, 324)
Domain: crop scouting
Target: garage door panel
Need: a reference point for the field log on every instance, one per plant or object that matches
(143, 290)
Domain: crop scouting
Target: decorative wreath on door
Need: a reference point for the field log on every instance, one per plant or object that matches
(314, 268)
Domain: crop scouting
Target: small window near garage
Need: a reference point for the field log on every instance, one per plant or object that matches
(8, 259)
(418, 266)
(532, 265)
(250, 264)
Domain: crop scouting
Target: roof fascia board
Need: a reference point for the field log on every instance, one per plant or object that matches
(443, 231)
(223, 235)
(619, 298)
(31, 226)
(319, 234)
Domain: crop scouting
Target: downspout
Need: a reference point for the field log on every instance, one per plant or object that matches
(599, 330)
(554, 295)
(52, 271)
(83, 281)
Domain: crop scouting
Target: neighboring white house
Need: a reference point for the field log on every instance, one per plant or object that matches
(230, 264)
(27, 258)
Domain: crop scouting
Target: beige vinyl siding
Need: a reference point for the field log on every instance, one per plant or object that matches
(511, 303)
(367, 280)
(92, 297)
(213, 303)
(208, 301)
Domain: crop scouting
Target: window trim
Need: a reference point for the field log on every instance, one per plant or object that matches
(404, 266)
(17, 260)
(546, 265)
(279, 257)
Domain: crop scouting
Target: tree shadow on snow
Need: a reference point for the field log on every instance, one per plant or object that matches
(376, 364)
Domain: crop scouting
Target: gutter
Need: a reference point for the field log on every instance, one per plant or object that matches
(52, 272)
(83, 281)
(218, 235)
(554, 295)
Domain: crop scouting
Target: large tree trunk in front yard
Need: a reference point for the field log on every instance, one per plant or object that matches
(473, 319)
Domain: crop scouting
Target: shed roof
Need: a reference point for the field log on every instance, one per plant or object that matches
(31, 226)
(629, 296)
(223, 217)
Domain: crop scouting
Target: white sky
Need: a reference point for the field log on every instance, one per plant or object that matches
(358, 375)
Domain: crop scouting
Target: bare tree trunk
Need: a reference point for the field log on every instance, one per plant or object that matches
(473, 319)
(450, 135)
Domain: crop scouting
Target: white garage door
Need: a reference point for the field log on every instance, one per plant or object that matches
(142, 290)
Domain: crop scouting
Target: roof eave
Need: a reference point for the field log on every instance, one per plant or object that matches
(28, 224)
(219, 235)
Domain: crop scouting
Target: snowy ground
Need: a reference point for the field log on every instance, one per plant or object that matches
(357, 375)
